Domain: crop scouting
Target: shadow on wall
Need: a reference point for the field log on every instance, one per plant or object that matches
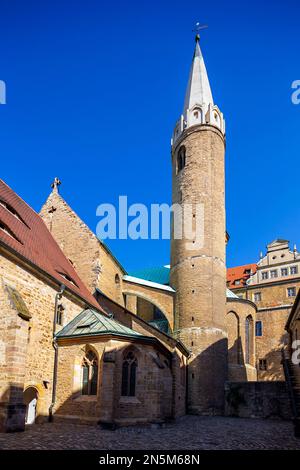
(12, 409)
(269, 366)
(207, 374)
(236, 362)
(133, 385)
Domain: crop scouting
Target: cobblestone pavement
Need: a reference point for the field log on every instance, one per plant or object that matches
(188, 432)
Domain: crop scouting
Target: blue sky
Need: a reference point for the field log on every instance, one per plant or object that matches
(94, 89)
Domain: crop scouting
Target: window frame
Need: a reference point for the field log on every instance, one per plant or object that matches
(260, 323)
(294, 268)
(284, 270)
(254, 296)
(129, 374)
(293, 289)
(89, 364)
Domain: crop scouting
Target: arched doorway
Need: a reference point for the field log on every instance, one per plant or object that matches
(30, 400)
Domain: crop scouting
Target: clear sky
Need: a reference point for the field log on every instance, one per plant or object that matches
(94, 89)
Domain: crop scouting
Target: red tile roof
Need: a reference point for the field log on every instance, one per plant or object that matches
(23, 230)
(239, 273)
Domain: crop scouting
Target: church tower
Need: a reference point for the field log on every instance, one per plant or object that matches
(198, 272)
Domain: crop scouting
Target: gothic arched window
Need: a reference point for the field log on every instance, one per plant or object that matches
(129, 367)
(249, 339)
(181, 159)
(89, 374)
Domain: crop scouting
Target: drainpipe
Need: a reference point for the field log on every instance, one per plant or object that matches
(55, 346)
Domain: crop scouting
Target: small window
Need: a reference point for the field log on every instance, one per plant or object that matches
(10, 209)
(237, 282)
(90, 374)
(284, 271)
(67, 278)
(9, 232)
(294, 269)
(274, 273)
(265, 275)
(129, 368)
(262, 364)
(257, 297)
(59, 314)
(181, 159)
(258, 328)
(291, 291)
(117, 279)
(247, 271)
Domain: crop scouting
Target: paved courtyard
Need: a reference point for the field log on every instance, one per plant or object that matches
(189, 432)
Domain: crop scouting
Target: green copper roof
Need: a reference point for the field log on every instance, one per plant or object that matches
(161, 275)
(90, 322)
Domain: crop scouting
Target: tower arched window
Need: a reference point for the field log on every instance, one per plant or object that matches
(181, 159)
(129, 368)
(90, 374)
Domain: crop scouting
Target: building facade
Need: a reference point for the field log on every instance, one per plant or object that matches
(85, 341)
(272, 285)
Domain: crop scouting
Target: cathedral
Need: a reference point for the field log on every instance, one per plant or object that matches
(83, 340)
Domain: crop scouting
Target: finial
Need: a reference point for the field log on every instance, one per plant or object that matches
(55, 185)
(198, 28)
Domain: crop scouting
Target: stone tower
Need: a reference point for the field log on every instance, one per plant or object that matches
(198, 272)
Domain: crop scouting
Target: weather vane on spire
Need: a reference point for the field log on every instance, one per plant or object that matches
(198, 28)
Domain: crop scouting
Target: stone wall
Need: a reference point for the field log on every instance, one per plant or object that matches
(90, 257)
(198, 272)
(257, 400)
(157, 392)
(162, 299)
(241, 363)
(273, 311)
(269, 345)
(27, 353)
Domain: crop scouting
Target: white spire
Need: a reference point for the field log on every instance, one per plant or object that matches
(199, 108)
(198, 90)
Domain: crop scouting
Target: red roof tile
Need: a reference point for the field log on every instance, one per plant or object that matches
(23, 230)
(240, 273)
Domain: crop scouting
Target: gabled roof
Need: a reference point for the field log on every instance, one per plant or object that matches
(240, 273)
(90, 322)
(23, 231)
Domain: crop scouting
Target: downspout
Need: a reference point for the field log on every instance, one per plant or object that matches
(55, 346)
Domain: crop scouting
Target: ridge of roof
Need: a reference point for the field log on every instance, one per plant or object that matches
(34, 243)
(89, 322)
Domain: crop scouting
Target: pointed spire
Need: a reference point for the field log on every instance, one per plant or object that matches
(198, 89)
(199, 108)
